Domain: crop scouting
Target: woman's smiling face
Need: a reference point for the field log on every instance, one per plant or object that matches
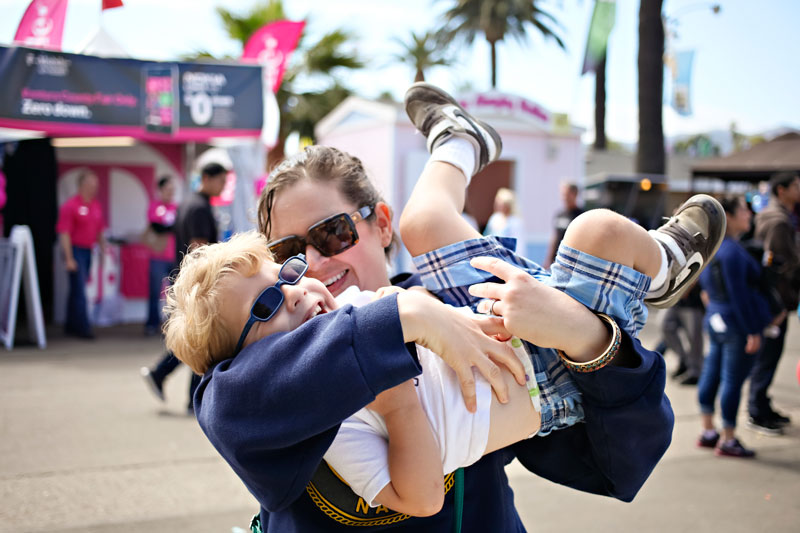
(297, 207)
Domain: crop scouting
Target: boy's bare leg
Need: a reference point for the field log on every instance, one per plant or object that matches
(673, 255)
(432, 217)
(460, 146)
(610, 236)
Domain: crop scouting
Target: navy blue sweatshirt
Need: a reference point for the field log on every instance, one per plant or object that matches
(731, 282)
(273, 410)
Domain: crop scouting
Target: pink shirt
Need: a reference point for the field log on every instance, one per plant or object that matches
(81, 220)
(164, 214)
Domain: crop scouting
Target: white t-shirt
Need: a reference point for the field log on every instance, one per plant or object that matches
(360, 451)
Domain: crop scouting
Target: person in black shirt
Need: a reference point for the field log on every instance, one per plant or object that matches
(195, 225)
(569, 196)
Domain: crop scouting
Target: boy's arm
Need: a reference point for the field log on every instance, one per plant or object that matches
(415, 467)
(432, 217)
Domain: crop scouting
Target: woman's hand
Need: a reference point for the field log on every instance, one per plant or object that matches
(540, 314)
(753, 343)
(463, 341)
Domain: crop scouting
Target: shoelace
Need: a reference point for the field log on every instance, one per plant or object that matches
(682, 237)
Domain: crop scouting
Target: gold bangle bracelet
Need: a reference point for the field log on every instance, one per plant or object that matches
(606, 357)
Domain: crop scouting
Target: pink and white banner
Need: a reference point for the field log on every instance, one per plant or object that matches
(42, 25)
(271, 47)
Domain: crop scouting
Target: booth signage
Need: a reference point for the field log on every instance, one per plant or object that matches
(64, 94)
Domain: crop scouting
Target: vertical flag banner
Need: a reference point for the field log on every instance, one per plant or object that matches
(599, 30)
(271, 47)
(111, 4)
(682, 81)
(42, 25)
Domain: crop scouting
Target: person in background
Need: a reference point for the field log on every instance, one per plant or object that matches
(504, 222)
(736, 314)
(569, 197)
(3, 196)
(687, 315)
(195, 225)
(80, 226)
(160, 238)
(776, 229)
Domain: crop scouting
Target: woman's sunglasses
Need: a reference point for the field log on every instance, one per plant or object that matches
(270, 300)
(329, 237)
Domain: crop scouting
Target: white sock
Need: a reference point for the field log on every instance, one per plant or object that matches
(459, 152)
(660, 279)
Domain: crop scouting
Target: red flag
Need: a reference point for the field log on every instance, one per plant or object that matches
(42, 25)
(271, 47)
(111, 4)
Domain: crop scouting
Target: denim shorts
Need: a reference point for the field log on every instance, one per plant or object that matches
(600, 285)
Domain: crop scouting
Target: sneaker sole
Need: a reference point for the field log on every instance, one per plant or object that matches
(720, 453)
(776, 432)
(477, 124)
(688, 281)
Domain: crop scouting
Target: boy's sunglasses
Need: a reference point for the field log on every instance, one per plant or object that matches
(270, 300)
(329, 237)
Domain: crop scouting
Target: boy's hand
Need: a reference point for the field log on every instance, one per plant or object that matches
(462, 341)
(397, 399)
(392, 289)
(385, 291)
(540, 314)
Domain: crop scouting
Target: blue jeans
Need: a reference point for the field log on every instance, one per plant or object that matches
(725, 368)
(159, 269)
(766, 363)
(77, 321)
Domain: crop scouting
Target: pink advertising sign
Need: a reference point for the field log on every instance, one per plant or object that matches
(42, 25)
(271, 47)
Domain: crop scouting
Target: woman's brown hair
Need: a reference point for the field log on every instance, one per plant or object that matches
(326, 165)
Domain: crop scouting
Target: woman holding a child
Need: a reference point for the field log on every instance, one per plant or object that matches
(273, 417)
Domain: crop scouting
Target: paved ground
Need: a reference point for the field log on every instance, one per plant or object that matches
(84, 447)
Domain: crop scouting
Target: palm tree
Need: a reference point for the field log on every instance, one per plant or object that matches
(600, 141)
(422, 53)
(320, 61)
(496, 19)
(650, 157)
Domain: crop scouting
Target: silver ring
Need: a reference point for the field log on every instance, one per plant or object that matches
(491, 308)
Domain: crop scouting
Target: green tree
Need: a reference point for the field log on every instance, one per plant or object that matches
(496, 19)
(650, 156)
(317, 65)
(421, 53)
(600, 139)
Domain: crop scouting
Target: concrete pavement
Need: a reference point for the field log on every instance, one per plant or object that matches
(85, 447)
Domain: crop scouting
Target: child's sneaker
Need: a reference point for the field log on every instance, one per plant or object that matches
(690, 237)
(733, 448)
(438, 117)
(708, 439)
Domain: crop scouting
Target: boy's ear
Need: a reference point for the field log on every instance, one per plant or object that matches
(383, 221)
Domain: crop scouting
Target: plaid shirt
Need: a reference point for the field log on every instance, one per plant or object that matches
(603, 286)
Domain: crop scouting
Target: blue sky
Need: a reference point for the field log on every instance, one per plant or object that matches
(746, 65)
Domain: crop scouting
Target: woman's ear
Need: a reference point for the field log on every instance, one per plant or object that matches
(383, 221)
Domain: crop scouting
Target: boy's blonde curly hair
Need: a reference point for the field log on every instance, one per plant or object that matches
(195, 330)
